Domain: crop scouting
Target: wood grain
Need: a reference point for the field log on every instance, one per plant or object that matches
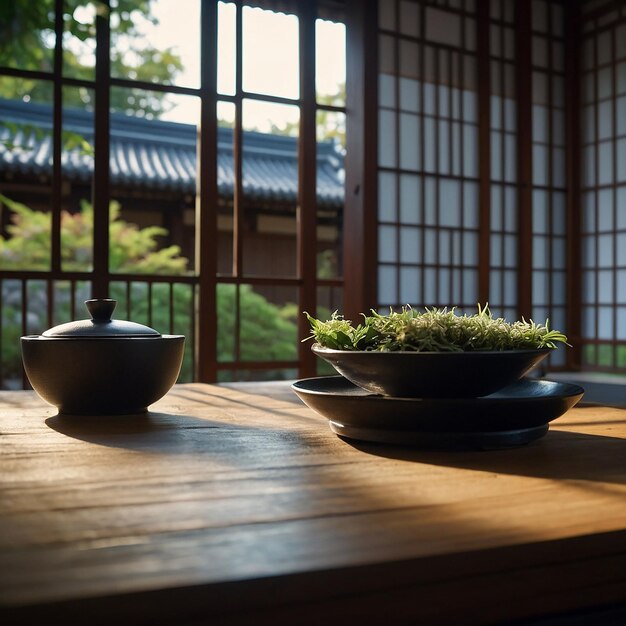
(227, 502)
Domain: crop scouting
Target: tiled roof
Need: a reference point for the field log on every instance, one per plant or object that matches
(162, 155)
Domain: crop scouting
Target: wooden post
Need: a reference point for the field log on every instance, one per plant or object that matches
(206, 203)
(360, 215)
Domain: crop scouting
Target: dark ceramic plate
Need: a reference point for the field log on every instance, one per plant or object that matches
(432, 374)
(512, 416)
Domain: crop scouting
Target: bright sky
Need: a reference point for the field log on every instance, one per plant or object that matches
(270, 58)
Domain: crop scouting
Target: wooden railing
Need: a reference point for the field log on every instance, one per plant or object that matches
(31, 302)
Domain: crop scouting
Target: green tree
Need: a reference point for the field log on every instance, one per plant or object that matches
(132, 249)
(267, 332)
(27, 41)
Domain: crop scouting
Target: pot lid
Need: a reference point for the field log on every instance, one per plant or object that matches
(101, 324)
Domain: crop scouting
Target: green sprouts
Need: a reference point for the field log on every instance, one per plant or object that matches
(434, 330)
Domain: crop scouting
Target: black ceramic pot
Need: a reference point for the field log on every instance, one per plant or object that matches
(432, 374)
(102, 366)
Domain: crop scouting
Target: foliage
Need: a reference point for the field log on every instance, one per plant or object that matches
(27, 41)
(28, 244)
(132, 249)
(434, 330)
(339, 334)
(265, 330)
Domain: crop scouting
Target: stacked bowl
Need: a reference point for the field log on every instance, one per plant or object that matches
(480, 399)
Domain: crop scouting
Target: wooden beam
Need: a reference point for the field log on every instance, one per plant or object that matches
(523, 69)
(101, 190)
(307, 186)
(206, 199)
(360, 216)
(573, 46)
(484, 150)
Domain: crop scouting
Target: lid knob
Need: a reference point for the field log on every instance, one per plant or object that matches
(100, 325)
(101, 310)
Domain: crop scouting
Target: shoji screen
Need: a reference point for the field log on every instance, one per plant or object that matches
(603, 186)
(428, 214)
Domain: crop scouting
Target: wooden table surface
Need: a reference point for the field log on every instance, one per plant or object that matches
(236, 504)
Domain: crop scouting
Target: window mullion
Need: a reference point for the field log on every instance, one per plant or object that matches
(573, 157)
(484, 149)
(100, 285)
(307, 183)
(57, 128)
(524, 134)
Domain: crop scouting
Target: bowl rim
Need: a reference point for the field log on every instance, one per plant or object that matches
(572, 390)
(316, 347)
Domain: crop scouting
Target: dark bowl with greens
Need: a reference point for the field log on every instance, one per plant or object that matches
(434, 354)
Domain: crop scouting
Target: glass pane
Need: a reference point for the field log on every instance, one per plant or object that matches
(267, 323)
(25, 184)
(270, 41)
(153, 182)
(227, 307)
(329, 299)
(156, 42)
(68, 299)
(225, 187)
(226, 47)
(330, 192)
(76, 171)
(10, 333)
(79, 39)
(27, 36)
(270, 188)
(330, 62)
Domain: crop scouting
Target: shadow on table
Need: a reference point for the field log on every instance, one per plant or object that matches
(562, 455)
(150, 432)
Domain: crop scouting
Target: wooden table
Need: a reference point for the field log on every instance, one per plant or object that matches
(236, 504)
